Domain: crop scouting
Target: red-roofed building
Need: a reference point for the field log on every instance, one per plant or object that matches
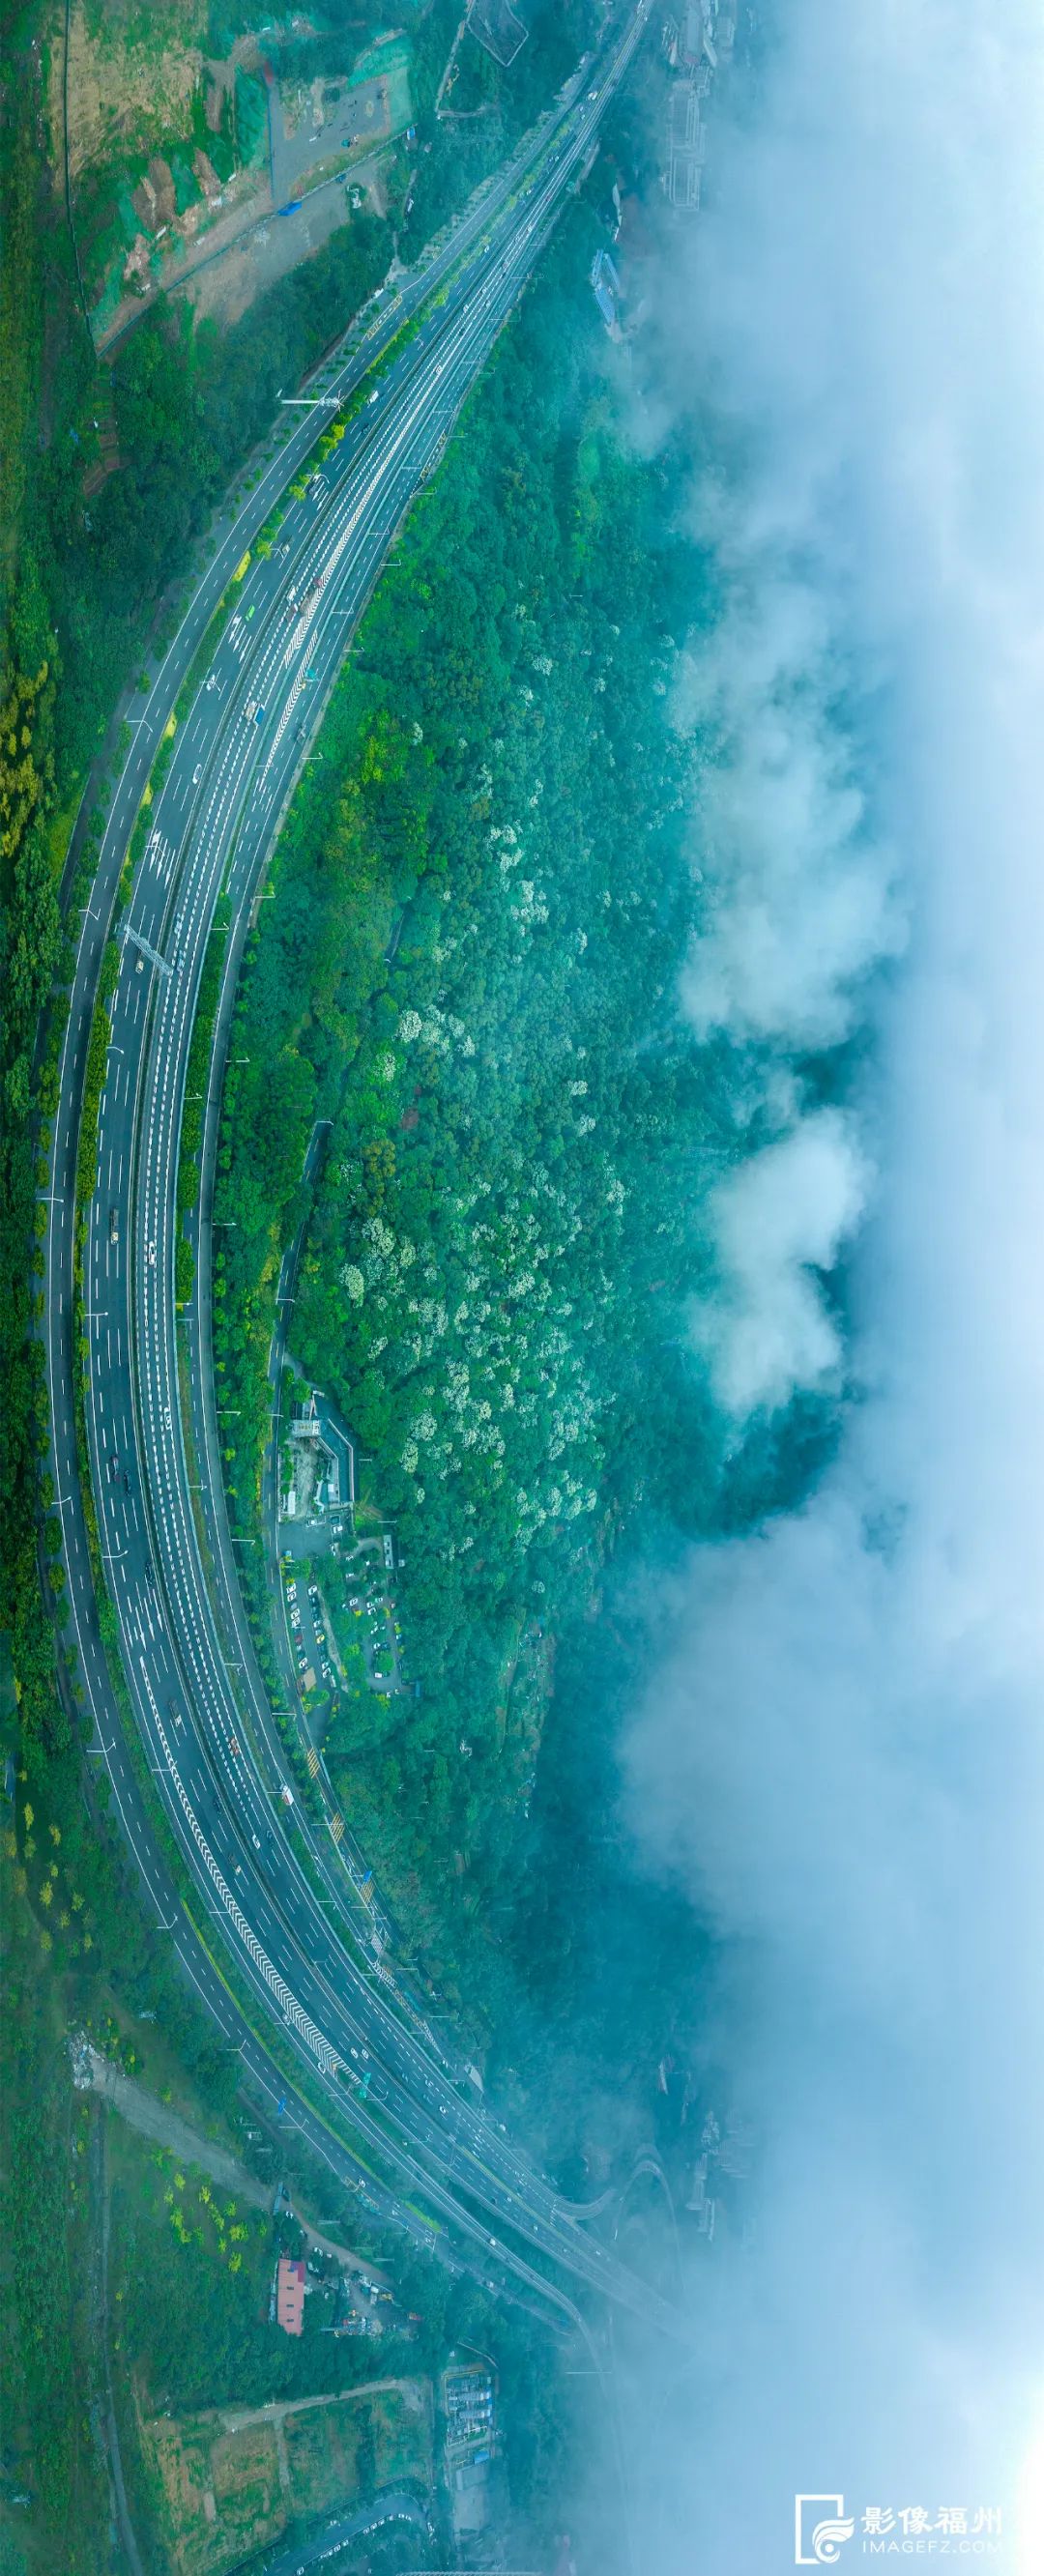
(290, 2296)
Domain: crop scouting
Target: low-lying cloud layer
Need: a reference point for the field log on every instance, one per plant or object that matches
(801, 903)
(780, 1217)
(843, 1756)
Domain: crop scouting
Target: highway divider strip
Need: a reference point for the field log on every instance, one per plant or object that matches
(101, 1029)
(271, 2041)
(94, 1080)
(283, 2056)
(257, 1620)
(197, 1074)
(208, 1000)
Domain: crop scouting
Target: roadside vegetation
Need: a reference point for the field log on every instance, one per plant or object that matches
(84, 565)
(78, 1955)
(84, 577)
(48, 2368)
(190, 2265)
(481, 904)
(480, 909)
(485, 107)
(81, 584)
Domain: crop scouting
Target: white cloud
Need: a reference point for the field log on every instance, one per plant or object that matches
(843, 1752)
(800, 905)
(780, 1217)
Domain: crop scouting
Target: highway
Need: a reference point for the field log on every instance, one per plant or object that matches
(276, 1891)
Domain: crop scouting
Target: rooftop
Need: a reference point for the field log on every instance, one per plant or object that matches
(290, 2295)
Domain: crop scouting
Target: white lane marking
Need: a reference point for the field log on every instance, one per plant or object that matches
(276, 1983)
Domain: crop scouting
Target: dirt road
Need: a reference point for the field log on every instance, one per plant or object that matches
(156, 2120)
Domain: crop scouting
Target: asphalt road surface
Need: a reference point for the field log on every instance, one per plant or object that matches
(397, 2506)
(274, 1886)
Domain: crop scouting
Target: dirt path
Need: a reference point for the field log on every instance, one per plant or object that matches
(156, 2120)
(238, 2419)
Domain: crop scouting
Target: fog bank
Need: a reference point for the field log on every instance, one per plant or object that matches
(841, 1756)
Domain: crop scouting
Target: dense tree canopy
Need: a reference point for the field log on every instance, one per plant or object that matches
(482, 903)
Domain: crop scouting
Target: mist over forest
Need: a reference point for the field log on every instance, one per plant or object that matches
(612, 1124)
(836, 1753)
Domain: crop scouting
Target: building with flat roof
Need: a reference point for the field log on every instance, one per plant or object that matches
(686, 146)
(322, 1456)
(291, 2284)
(607, 291)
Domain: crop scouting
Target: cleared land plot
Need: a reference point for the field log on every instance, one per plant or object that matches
(401, 2426)
(231, 2483)
(221, 2492)
(322, 2451)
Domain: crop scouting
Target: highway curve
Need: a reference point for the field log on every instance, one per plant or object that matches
(200, 1709)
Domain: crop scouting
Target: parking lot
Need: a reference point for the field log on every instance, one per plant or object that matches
(345, 1630)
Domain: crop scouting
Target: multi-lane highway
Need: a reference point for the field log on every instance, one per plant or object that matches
(275, 1889)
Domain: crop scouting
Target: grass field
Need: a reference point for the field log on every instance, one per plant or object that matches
(401, 2427)
(49, 2367)
(323, 2452)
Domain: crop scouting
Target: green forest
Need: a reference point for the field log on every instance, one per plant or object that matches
(486, 106)
(482, 900)
(82, 588)
(85, 570)
(85, 576)
(469, 967)
(88, 561)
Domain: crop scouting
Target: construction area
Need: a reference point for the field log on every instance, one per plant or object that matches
(213, 173)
